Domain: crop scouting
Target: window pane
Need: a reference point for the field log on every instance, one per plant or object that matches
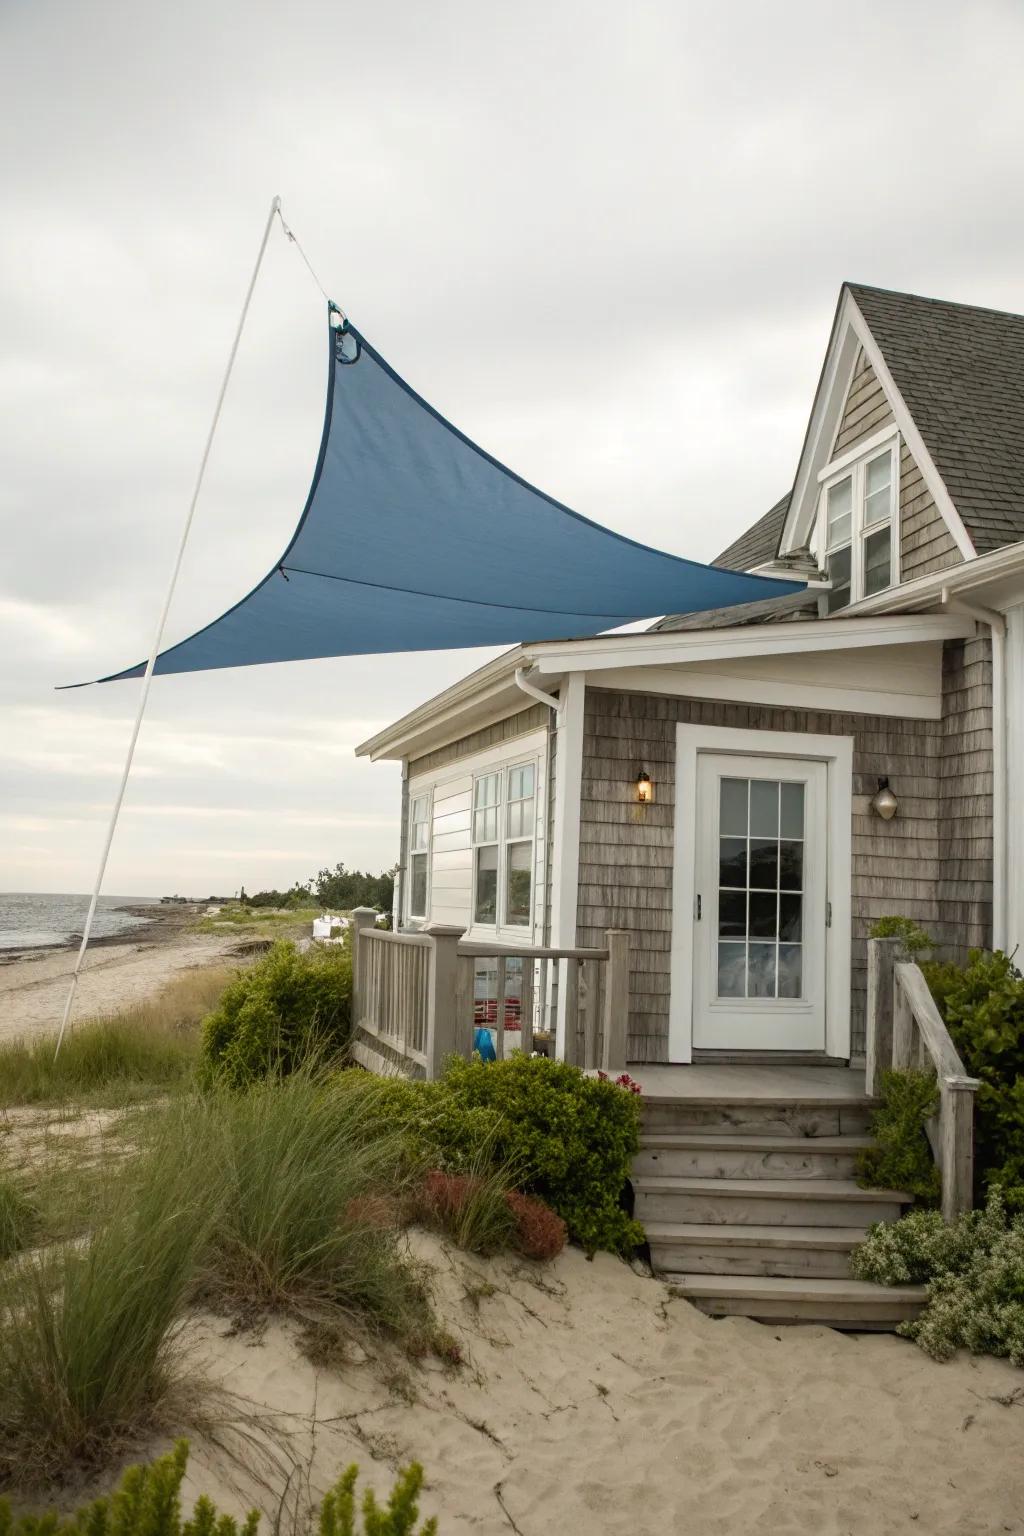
(791, 866)
(761, 974)
(418, 885)
(733, 804)
(764, 863)
(485, 826)
(419, 808)
(732, 914)
(790, 916)
(732, 861)
(764, 808)
(518, 875)
(763, 914)
(790, 970)
(878, 490)
(839, 570)
(520, 782)
(486, 908)
(840, 511)
(877, 561)
(732, 967)
(792, 823)
(485, 790)
(520, 818)
(419, 835)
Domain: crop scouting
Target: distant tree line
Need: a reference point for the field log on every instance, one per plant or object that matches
(339, 887)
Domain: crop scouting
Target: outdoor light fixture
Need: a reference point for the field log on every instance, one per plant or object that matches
(884, 802)
(644, 788)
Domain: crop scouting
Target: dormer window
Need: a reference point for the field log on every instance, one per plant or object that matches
(858, 524)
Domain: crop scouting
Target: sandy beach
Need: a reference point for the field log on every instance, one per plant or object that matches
(592, 1400)
(34, 985)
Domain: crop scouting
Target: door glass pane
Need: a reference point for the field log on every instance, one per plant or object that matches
(486, 905)
(878, 489)
(760, 892)
(518, 879)
(764, 808)
(733, 800)
(732, 970)
(877, 561)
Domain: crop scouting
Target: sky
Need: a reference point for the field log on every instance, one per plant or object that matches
(607, 241)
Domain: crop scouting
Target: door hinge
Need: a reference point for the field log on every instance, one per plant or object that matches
(828, 914)
(697, 909)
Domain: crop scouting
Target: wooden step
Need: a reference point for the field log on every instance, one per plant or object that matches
(689, 1248)
(821, 1115)
(764, 1202)
(708, 1154)
(853, 1304)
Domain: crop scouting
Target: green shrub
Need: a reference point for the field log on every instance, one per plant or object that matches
(286, 1010)
(86, 1329)
(914, 941)
(147, 1502)
(974, 1270)
(19, 1218)
(901, 1157)
(982, 1004)
(569, 1138)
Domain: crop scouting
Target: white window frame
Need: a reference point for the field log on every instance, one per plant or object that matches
(504, 843)
(853, 466)
(428, 796)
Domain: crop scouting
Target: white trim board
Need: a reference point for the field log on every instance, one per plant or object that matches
(565, 837)
(837, 752)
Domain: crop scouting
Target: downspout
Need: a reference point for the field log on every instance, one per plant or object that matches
(523, 682)
(997, 627)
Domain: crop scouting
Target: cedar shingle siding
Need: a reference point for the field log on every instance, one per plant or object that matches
(490, 736)
(931, 863)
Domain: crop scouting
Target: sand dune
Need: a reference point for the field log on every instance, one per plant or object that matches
(592, 1401)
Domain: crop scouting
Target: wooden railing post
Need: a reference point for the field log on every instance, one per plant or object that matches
(447, 1033)
(956, 1144)
(362, 917)
(902, 1028)
(616, 1001)
(882, 957)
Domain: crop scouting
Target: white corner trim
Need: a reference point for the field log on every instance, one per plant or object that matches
(837, 753)
(565, 850)
(912, 437)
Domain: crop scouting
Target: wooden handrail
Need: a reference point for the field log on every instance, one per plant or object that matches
(905, 1030)
(482, 950)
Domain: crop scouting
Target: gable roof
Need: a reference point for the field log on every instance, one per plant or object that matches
(759, 543)
(960, 370)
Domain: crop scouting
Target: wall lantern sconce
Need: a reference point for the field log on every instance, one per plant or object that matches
(644, 788)
(884, 802)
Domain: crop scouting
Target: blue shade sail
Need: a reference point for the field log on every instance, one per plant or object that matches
(414, 539)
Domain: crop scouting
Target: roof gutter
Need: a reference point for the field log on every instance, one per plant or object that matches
(523, 682)
(997, 628)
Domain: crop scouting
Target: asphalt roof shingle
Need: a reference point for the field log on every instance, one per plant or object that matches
(759, 543)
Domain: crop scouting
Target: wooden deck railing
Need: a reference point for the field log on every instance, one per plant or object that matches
(905, 1029)
(414, 1003)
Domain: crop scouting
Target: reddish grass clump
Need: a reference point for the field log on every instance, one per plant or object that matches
(540, 1233)
(444, 1196)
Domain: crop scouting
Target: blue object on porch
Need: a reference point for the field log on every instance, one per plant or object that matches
(483, 1045)
(414, 539)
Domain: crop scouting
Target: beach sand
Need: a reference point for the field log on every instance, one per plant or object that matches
(33, 987)
(591, 1400)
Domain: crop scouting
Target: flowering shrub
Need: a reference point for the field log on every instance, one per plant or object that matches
(974, 1270)
(622, 1081)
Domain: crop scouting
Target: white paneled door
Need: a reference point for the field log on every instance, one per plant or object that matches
(760, 905)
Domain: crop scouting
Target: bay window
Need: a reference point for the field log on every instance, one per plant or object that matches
(858, 518)
(504, 819)
(419, 855)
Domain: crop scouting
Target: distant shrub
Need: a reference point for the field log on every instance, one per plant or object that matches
(974, 1270)
(982, 1004)
(147, 1502)
(913, 939)
(568, 1138)
(901, 1157)
(287, 1009)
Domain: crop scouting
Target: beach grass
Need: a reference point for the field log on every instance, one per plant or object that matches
(258, 922)
(147, 1049)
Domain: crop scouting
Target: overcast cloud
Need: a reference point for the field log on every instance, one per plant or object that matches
(605, 239)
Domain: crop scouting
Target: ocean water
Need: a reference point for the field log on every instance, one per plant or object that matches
(29, 920)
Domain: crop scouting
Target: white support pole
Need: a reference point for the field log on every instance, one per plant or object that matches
(275, 211)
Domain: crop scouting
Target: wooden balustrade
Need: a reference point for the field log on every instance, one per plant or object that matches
(905, 1030)
(413, 997)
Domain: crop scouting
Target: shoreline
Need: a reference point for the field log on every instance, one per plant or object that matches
(163, 925)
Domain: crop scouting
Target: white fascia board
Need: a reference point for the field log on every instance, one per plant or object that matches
(679, 647)
(833, 698)
(850, 333)
(489, 689)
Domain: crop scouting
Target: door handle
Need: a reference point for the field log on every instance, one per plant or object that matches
(698, 909)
